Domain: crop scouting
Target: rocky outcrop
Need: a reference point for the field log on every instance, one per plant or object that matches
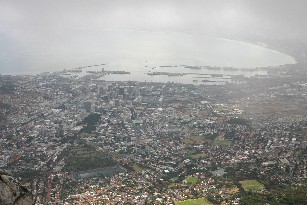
(11, 192)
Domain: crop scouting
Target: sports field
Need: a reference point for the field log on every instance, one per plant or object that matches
(252, 185)
(199, 201)
(191, 180)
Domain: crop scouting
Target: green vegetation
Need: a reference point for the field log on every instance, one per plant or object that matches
(254, 198)
(191, 180)
(211, 136)
(252, 185)
(288, 196)
(195, 153)
(136, 168)
(191, 152)
(117, 155)
(81, 158)
(222, 142)
(239, 121)
(91, 122)
(194, 140)
(199, 201)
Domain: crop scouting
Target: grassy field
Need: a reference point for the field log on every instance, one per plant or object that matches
(82, 158)
(197, 156)
(200, 201)
(222, 142)
(136, 168)
(117, 155)
(252, 185)
(194, 140)
(191, 152)
(191, 180)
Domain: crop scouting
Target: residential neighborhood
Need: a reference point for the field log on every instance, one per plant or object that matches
(88, 141)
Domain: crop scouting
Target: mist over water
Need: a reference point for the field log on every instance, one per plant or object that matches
(131, 51)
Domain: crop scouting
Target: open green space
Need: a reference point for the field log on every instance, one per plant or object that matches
(222, 142)
(136, 168)
(82, 157)
(117, 155)
(194, 140)
(199, 201)
(90, 122)
(252, 185)
(239, 121)
(197, 156)
(191, 180)
(190, 152)
(195, 153)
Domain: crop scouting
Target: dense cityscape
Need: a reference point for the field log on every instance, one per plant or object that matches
(82, 140)
(164, 102)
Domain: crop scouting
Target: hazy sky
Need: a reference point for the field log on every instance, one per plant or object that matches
(52, 23)
(42, 17)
